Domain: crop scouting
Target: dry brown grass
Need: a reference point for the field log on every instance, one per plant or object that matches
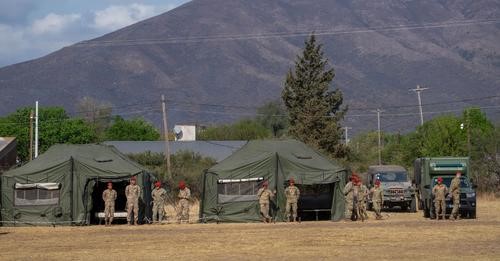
(401, 236)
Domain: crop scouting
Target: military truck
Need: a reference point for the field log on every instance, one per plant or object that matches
(427, 170)
(398, 190)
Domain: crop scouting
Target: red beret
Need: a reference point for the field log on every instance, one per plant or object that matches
(265, 183)
(182, 184)
(440, 179)
(377, 182)
(133, 178)
(158, 183)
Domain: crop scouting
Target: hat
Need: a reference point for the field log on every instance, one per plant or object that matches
(133, 178)
(182, 184)
(265, 183)
(157, 184)
(440, 179)
(291, 180)
(110, 184)
(377, 182)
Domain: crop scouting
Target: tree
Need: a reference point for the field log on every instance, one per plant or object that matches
(314, 112)
(242, 130)
(272, 116)
(95, 112)
(134, 130)
(55, 126)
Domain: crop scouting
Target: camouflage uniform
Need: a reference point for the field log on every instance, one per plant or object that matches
(158, 194)
(265, 195)
(133, 192)
(348, 194)
(377, 200)
(292, 194)
(455, 192)
(363, 195)
(439, 191)
(109, 197)
(184, 196)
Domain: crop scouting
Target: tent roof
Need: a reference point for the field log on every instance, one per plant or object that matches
(292, 151)
(104, 158)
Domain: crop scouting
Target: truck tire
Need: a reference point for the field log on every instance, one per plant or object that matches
(413, 206)
(404, 207)
(432, 212)
(426, 210)
(472, 214)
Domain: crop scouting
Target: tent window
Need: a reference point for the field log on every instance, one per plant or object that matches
(36, 194)
(238, 190)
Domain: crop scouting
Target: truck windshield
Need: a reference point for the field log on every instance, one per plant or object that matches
(464, 183)
(391, 176)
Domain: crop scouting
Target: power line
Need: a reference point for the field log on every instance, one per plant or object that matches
(268, 35)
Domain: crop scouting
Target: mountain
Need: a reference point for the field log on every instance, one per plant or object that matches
(217, 60)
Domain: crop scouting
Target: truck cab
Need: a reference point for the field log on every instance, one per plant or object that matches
(427, 170)
(398, 190)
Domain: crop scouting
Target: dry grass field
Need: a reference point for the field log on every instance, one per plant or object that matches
(400, 236)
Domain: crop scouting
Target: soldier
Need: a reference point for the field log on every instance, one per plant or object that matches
(132, 192)
(109, 197)
(349, 196)
(439, 191)
(362, 198)
(158, 194)
(184, 196)
(455, 192)
(265, 195)
(292, 194)
(377, 199)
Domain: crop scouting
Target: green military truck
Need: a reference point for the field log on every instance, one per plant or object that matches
(427, 170)
(398, 190)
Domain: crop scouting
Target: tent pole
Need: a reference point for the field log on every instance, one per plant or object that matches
(71, 190)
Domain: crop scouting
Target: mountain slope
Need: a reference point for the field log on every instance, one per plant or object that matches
(210, 52)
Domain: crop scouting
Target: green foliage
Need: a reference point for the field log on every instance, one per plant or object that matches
(314, 112)
(442, 136)
(96, 113)
(242, 130)
(55, 126)
(272, 116)
(135, 129)
(185, 165)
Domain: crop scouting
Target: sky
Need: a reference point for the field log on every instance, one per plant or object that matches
(30, 29)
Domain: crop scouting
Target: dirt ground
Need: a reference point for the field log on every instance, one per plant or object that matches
(400, 236)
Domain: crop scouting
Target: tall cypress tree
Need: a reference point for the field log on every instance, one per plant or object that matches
(314, 111)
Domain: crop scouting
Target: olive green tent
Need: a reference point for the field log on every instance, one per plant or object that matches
(64, 186)
(230, 187)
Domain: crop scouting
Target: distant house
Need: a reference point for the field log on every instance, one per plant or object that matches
(217, 150)
(8, 153)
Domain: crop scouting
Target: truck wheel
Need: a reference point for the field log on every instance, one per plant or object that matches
(404, 207)
(413, 206)
(432, 213)
(472, 214)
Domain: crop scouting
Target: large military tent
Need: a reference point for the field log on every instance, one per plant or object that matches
(230, 187)
(64, 186)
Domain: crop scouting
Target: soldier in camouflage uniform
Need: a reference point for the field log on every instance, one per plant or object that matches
(292, 194)
(109, 197)
(158, 195)
(349, 190)
(377, 199)
(362, 199)
(455, 192)
(184, 196)
(132, 192)
(265, 195)
(439, 191)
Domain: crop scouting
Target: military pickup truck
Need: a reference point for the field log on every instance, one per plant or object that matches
(427, 170)
(398, 190)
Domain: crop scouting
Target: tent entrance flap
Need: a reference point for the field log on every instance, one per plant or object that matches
(98, 203)
(315, 201)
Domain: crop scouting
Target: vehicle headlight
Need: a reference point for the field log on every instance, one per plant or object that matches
(471, 194)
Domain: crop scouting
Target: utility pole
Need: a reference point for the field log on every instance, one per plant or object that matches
(36, 129)
(418, 90)
(379, 137)
(165, 135)
(345, 135)
(31, 136)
